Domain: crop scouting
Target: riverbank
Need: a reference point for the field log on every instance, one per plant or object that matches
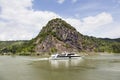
(49, 54)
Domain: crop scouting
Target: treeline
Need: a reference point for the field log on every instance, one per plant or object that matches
(28, 48)
(102, 44)
(12, 47)
(64, 33)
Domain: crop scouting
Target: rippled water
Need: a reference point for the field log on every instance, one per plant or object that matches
(105, 67)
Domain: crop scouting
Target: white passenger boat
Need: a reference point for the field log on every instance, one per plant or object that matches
(64, 55)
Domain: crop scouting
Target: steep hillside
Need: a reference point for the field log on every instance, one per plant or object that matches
(59, 36)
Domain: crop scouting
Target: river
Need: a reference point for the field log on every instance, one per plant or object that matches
(104, 67)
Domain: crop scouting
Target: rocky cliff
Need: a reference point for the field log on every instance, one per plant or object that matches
(59, 36)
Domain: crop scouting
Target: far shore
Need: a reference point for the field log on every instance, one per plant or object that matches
(48, 54)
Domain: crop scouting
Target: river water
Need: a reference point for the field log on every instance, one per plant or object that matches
(104, 67)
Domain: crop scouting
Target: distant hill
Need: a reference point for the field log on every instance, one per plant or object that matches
(107, 39)
(4, 44)
(59, 36)
(7, 46)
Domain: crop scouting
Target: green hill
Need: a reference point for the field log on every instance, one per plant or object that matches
(59, 36)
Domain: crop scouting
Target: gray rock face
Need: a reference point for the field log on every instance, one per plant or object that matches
(58, 36)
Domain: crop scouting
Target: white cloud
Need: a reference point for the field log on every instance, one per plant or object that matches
(89, 25)
(74, 22)
(113, 31)
(60, 1)
(92, 23)
(74, 1)
(18, 21)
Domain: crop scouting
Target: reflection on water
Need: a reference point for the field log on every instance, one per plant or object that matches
(65, 63)
(105, 67)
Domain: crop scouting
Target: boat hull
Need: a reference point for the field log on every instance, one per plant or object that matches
(65, 57)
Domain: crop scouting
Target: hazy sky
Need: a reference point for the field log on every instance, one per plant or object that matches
(23, 19)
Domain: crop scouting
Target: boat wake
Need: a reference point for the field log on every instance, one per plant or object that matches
(39, 59)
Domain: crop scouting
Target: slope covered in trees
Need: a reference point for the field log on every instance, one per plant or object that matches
(59, 36)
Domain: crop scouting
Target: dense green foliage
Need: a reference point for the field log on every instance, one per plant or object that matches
(17, 47)
(27, 47)
(102, 45)
(87, 43)
(11, 46)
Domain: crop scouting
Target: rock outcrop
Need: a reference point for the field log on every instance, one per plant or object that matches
(58, 36)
